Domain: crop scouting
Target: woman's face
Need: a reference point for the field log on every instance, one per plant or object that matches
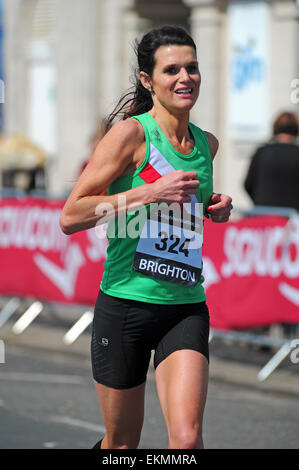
(176, 78)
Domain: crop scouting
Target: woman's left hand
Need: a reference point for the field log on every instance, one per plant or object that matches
(219, 207)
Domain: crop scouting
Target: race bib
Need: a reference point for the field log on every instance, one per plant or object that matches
(170, 245)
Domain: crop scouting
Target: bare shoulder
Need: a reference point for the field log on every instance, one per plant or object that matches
(129, 131)
(120, 143)
(213, 143)
(112, 156)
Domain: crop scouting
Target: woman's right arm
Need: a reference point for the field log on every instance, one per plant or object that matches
(112, 156)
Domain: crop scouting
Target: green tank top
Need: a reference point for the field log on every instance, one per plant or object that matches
(158, 270)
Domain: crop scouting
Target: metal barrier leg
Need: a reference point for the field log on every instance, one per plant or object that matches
(2, 352)
(9, 309)
(78, 328)
(31, 313)
(274, 362)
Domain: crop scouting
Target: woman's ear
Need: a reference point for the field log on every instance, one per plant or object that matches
(145, 81)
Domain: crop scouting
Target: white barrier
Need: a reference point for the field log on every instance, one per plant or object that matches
(2, 352)
(78, 328)
(31, 313)
(284, 347)
(9, 309)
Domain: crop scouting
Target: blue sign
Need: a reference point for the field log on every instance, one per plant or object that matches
(248, 95)
(247, 67)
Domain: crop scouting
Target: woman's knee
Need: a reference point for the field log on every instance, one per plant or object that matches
(186, 437)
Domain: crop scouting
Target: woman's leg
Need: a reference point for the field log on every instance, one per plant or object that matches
(120, 356)
(182, 383)
(123, 412)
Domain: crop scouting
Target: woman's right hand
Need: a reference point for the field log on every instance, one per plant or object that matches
(176, 186)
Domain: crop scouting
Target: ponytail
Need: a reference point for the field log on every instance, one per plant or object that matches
(137, 100)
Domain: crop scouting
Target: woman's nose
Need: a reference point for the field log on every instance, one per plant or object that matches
(184, 75)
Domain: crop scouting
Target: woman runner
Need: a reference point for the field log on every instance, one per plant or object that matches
(151, 295)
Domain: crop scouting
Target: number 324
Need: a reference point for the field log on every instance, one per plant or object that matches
(164, 245)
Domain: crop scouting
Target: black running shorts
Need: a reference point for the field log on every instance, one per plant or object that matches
(124, 332)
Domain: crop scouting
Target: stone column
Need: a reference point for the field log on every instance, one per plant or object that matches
(14, 108)
(205, 24)
(76, 89)
(113, 51)
(133, 28)
(284, 58)
(206, 31)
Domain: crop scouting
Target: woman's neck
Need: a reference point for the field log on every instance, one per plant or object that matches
(174, 127)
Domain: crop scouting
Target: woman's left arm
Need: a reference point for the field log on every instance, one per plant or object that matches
(220, 205)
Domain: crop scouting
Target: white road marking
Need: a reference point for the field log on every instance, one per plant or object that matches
(78, 423)
(1, 402)
(46, 378)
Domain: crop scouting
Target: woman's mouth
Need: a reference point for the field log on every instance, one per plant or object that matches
(184, 92)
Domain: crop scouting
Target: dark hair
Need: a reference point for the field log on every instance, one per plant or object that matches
(285, 123)
(138, 99)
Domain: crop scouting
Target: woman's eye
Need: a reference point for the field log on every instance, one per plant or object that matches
(192, 69)
(172, 70)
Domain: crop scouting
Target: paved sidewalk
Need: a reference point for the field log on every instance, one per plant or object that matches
(49, 338)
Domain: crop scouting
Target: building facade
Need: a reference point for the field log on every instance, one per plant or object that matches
(67, 62)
